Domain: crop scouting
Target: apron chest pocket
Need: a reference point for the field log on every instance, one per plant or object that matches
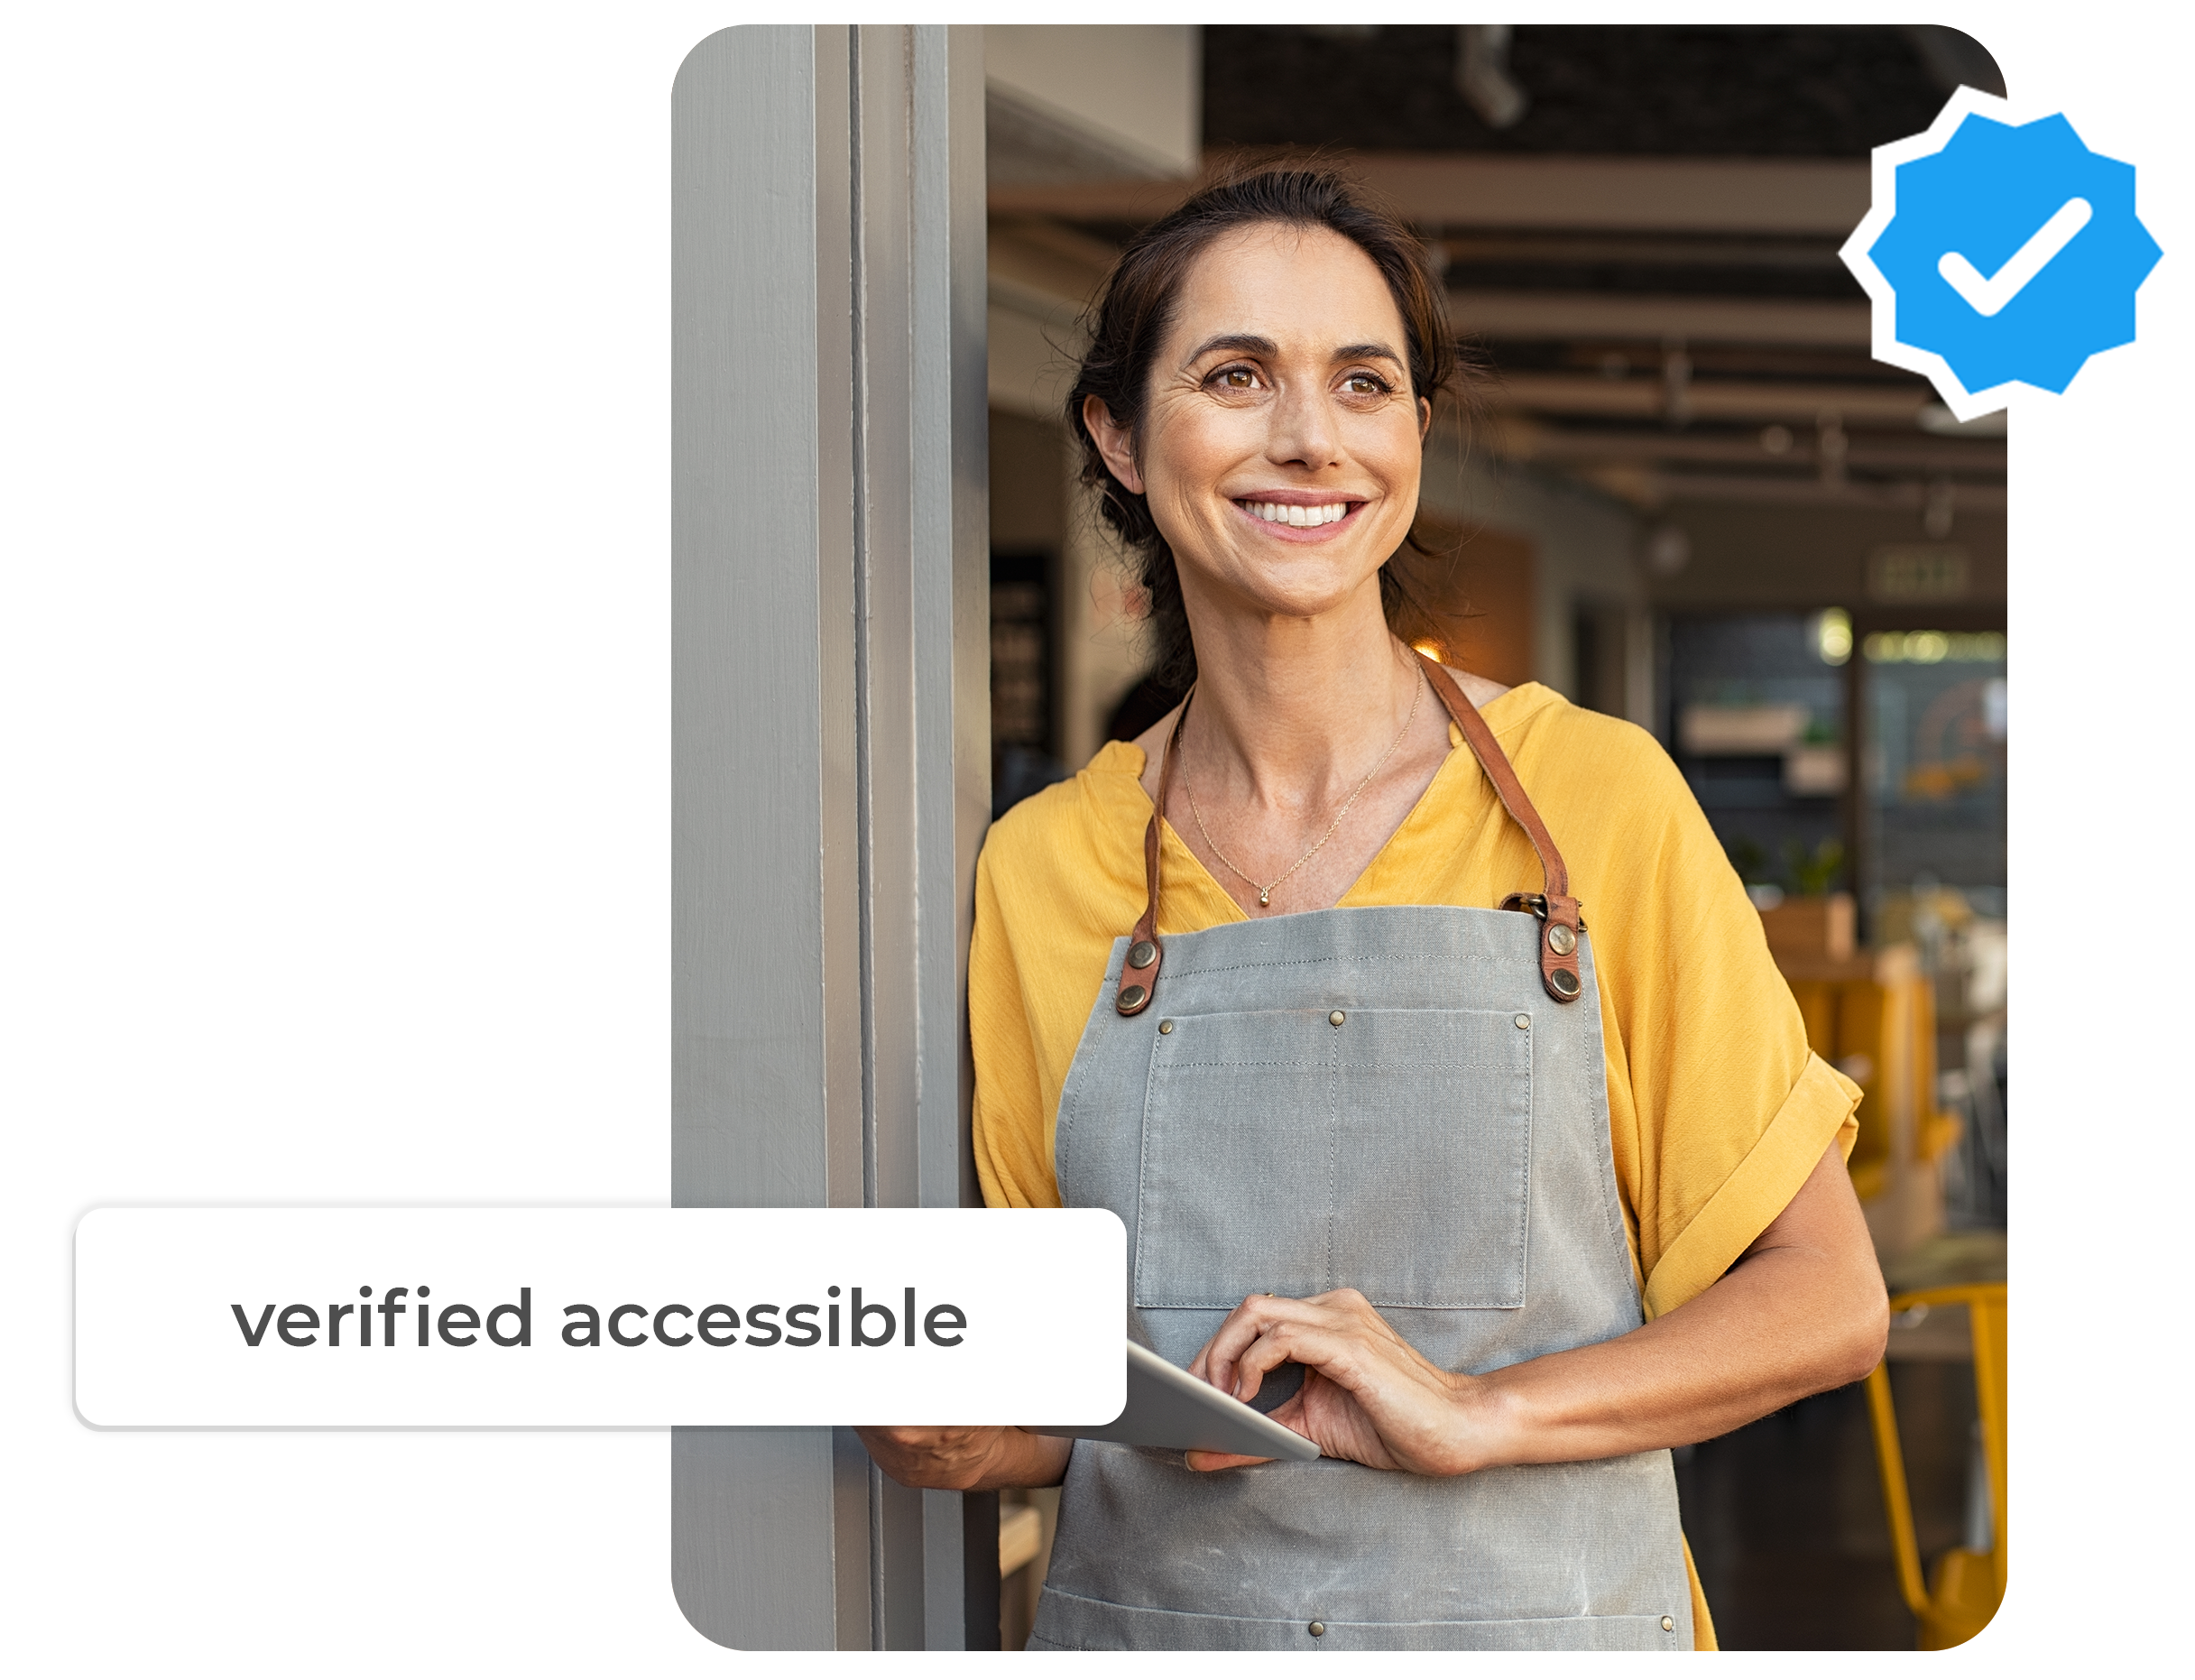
(1286, 1151)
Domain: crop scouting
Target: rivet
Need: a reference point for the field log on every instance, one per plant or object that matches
(1565, 983)
(1165, 1026)
(1142, 954)
(1524, 1022)
(1669, 1624)
(1131, 997)
(1336, 1019)
(1561, 940)
(1318, 1629)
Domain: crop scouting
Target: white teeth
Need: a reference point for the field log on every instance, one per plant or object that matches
(1291, 514)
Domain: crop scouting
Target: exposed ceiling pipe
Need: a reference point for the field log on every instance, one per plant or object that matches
(1482, 74)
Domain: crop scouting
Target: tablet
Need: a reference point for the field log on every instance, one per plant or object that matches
(1167, 1407)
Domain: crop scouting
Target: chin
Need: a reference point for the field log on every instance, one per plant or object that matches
(1311, 587)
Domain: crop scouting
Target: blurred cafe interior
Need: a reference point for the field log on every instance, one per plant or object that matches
(1694, 501)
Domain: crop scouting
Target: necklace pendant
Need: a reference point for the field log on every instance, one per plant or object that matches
(1265, 895)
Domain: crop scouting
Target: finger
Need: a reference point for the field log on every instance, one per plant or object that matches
(1290, 1416)
(1200, 1366)
(904, 1437)
(1255, 1316)
(1215, 1362)
(1220, 1461)
(1349, 1305)
(1242, 1326)
(1342, 1353)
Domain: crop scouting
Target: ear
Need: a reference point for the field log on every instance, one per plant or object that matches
(1113, 443)
(1424, 419)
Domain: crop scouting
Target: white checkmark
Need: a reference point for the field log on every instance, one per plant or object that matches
(1987, 297)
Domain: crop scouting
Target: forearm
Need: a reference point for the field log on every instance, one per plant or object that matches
(1023, 1460)
(969, 1460)
(1778, 1327)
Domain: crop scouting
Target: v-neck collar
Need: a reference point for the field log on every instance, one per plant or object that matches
(1211, 903)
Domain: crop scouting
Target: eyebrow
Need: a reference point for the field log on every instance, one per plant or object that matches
(1252, 343)
(1248, 343)
(1360, 352)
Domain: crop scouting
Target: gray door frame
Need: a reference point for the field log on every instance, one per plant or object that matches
(830, 749)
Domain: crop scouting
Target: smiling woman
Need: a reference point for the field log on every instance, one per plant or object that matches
(1308, 231)
(1504, 1210)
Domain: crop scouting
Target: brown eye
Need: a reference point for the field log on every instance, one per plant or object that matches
(1238, 379)
(1365, 385)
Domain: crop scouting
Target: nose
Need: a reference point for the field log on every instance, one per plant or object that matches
(1303, 431)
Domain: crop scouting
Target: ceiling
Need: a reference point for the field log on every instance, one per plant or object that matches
(1637, 227)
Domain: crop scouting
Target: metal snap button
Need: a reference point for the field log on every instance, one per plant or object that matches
(1336, 1019)
(1165, 1026)
(1560, 940)
(1669, 1624)
(1131, 997)
(1524, 1022)
(1142, 954)
(1318, 1629)
(1565, 983)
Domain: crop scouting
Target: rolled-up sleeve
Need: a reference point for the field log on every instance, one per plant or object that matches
(1717, 1109)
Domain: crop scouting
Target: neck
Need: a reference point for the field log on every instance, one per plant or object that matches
(1287, 710)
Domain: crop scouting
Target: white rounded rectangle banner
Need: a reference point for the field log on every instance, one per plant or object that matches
(597, 1317)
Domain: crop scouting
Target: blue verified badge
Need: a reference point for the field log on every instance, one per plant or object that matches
(1998, 252)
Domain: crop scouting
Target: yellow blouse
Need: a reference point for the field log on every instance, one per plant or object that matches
(1717, 1110)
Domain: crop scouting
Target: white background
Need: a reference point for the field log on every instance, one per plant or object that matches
(159, 1342)
(334, 679)
(567, 1554)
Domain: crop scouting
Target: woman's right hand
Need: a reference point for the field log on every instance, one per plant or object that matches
(972, 1460)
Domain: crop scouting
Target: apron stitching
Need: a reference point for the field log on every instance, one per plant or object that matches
(1524, 1200)
(1375, 911)
(1143, 1156)
(1070, 1093)
(1519, 1176)
(1332, 1621)
(1297, 1063)
(1408, 1306)
(1334, 1140)
(1605, 1161)
(1304, 1065)
(1419, 959)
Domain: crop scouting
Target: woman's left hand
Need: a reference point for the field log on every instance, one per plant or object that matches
(1367, 1394)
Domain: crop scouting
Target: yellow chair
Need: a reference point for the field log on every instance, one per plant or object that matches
(1968, 1586)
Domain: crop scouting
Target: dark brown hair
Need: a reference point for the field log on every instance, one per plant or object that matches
(1133, 311)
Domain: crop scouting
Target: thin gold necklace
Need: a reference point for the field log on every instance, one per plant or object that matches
(1264, 893)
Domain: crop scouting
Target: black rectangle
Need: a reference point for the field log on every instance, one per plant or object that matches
(264, 1549)
(980, 1571)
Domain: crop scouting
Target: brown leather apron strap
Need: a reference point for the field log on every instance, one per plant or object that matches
(1558, 911)
(1139, 972)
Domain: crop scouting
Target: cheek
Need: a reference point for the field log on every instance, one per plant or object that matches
(1390, 447)
(1191, 451)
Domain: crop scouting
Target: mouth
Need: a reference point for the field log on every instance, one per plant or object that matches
(1298, 515)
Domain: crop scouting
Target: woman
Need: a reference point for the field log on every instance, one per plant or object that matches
(1520, 1207)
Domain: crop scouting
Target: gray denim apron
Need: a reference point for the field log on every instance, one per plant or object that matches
(1411, 1102)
